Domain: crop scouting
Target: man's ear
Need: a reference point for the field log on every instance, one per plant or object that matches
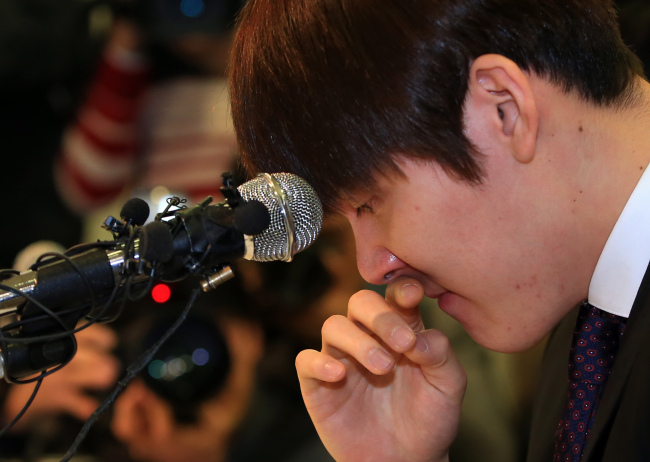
(500, 105)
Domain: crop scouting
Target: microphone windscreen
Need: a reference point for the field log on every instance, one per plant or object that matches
(135, 210)
(156, 242)
(251, 217)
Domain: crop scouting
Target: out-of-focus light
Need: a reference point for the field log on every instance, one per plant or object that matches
(200, 357)
(175, 368)
(192, 8)
(161, 293)
(157, 369)
(158, 197)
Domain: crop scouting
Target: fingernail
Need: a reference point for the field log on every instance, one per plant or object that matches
(332, 369)
(421, 344)
(410, 290)
(380, 359)
(402, 337)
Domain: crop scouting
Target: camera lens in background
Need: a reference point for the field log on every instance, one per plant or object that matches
(190, 367)
(193, 365)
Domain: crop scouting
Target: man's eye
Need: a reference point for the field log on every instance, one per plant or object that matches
(365, 208)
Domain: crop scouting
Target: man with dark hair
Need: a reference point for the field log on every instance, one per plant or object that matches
(490, 154)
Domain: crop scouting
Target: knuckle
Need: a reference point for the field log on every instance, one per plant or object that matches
(301, 358)
(361, 298)
(439, 341)
(332, 323)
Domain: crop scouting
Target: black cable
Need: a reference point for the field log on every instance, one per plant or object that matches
(99, 316)
(7, 273)
(133, 296)
(80, 248)
(25, 407)
(22, 322)
(134, 369)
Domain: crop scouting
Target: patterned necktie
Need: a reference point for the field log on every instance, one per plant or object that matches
(595, 342)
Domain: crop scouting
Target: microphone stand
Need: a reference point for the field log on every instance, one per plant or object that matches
(61, 289)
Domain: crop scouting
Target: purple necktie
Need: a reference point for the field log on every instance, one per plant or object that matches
(595, 342)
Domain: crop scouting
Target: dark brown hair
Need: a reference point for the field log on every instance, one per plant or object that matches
(332, 89)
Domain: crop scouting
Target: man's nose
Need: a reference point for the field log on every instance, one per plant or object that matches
(377, 265)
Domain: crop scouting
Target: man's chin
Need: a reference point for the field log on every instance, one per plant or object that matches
(501, 340)
(497, 336)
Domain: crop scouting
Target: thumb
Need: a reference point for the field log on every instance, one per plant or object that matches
(435, 356)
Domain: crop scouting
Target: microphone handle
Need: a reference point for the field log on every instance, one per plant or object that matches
(62, 284)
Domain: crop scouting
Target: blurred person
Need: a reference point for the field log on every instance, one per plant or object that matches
(189, 402)
(492, 155)
(202, 397)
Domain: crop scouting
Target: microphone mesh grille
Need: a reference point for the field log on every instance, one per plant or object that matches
(302, 203)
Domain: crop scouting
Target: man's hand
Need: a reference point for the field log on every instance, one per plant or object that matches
(93, 368)
(382, 387)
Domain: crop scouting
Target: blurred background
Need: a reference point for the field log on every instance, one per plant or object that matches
(105, 100)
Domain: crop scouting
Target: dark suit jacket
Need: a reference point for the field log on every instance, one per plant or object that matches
(621, 431)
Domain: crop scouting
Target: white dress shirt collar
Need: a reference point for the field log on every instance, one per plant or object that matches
(625, 258)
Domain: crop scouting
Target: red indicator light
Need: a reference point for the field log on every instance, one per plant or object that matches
(161, 293)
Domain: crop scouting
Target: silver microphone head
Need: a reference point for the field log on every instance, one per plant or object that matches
(296, 215)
